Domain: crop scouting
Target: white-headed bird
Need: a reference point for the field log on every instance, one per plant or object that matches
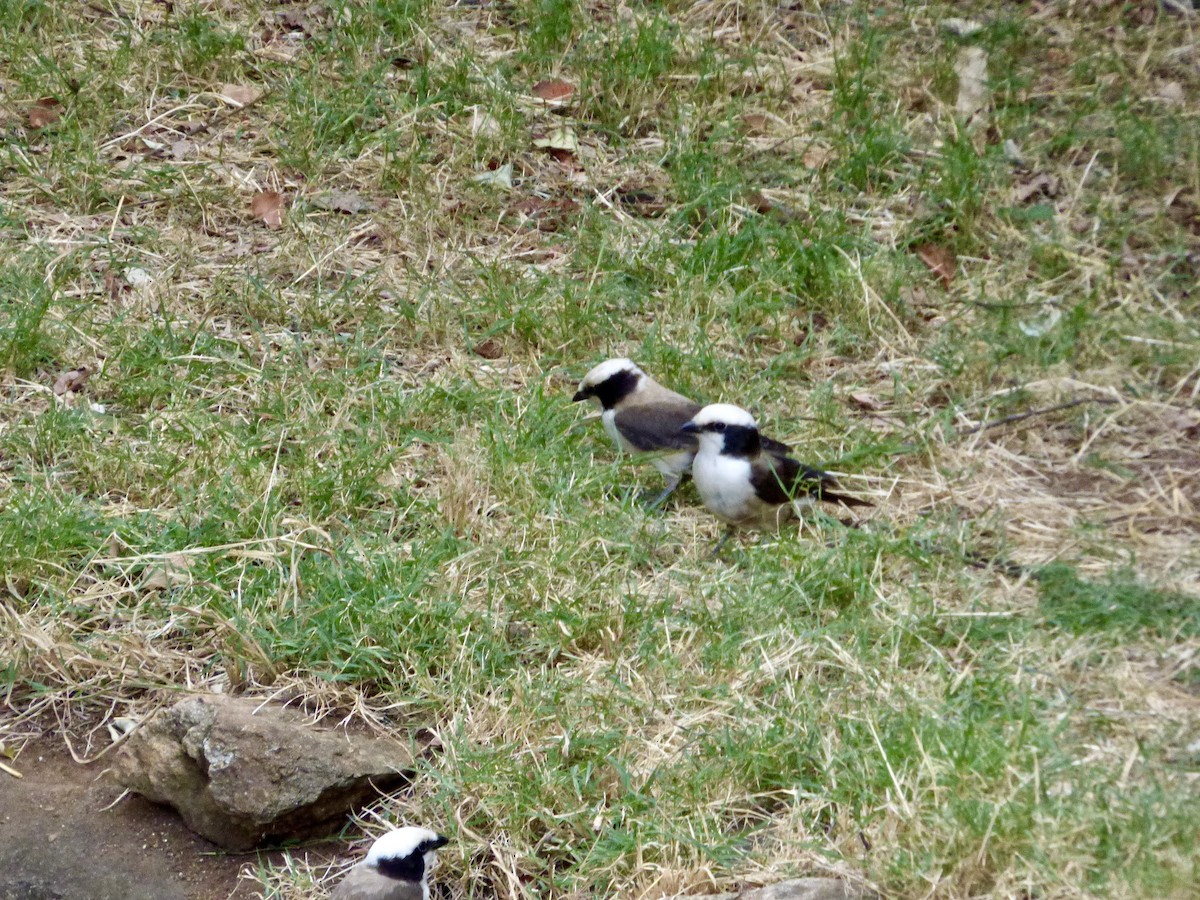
(746, 485)
(396, 868)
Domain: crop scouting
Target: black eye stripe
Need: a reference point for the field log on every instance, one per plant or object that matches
(614, 388)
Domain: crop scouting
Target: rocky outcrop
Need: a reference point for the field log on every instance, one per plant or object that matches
(243, 773)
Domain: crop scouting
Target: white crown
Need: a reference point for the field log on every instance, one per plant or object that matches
(724, 412)
(607, 370)
(399, 843)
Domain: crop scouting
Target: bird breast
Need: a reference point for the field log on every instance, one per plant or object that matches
(724, 486)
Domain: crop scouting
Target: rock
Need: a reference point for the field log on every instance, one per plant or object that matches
(808, 889)
(242, 773)
(801, 889)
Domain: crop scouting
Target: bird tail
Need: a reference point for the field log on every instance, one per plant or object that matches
(844, 499)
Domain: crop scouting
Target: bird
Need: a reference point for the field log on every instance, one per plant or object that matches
(642, 416)
(395, 868)
(743, 483)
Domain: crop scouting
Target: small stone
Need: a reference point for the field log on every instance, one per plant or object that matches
(807, 889)
(801, 889)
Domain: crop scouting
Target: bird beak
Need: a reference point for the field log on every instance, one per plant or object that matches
(690, 428)
(440, 841)
(580, 394)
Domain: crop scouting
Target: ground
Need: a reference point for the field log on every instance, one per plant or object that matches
(67, 836)
(294, 297)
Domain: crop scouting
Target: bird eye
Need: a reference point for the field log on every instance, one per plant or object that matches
(718, 426)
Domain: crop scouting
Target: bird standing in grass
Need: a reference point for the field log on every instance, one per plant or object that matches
(745, 485)
(396, 867)
(642, 416)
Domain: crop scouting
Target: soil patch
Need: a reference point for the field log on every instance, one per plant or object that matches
(58, 841)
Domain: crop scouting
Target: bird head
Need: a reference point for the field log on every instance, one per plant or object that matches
(406, 853)
(718, 422)
(610, 382)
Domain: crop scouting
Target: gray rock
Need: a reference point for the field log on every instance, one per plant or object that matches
(242, 773)
(801, 889)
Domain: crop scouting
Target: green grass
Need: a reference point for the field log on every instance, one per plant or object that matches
(379, 515)
(1119, 606)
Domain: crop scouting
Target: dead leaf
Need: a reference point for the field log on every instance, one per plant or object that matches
(1171, 93)
(816, 156)
(484, 124)
(1040, 185)
(240, 94)
(531, 206)
(114, 284)
(268, 206)
(46, 111)
(138, 277)
(558, 139)
(120, 726)
(940, 260)
(174, 569)
(488, 349)
(866, 400)
(343, 202)
(17, 587)
(553, 91)
(1012, 152)
(500, 177)
(971, 67)
(1041, 325)
(72, 381)
(757, 202)
(757, 123)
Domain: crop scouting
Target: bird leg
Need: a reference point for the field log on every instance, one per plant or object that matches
(660, 498)
(724, 539)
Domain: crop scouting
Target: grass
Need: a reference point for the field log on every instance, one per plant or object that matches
(356, 429)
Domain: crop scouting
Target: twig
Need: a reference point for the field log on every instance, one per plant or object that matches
(113, 12)
(1017, 417)
(979, 560)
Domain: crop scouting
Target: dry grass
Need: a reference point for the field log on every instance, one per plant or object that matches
(334, 463)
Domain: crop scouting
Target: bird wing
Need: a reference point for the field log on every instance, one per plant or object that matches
(780, 479)
(656, 426)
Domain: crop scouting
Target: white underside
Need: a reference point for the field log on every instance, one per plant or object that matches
(724, 485)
